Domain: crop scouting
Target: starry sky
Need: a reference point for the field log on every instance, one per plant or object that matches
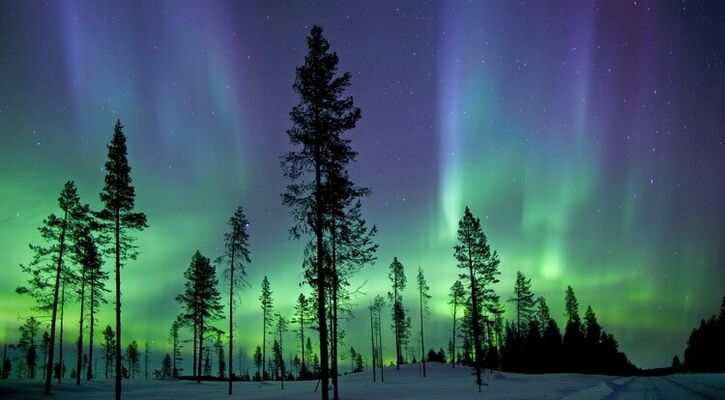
(588, 136)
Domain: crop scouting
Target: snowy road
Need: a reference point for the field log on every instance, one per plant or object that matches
(443, 382)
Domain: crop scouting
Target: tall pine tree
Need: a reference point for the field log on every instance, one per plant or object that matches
(423, 298)
(236, 253)
(480, 264)
(399, 313)
(523, 300)
(118, 197)
(319, 120)
(266, 303)
(456, 299)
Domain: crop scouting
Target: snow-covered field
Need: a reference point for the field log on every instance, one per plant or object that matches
(442, 382)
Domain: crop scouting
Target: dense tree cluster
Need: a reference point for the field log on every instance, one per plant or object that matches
(706, 348)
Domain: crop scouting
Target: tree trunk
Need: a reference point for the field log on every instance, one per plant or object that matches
(60, 338)
(231, 315)
(49, 366)
(453, 343)
(422, 343)
(372, 340)
(89, 373)
(324, 367)
(119, 369)
(80, 328)
(201, 349)
(333, 345)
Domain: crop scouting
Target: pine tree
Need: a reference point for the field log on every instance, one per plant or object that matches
(44, 343)
(301, 317)
(266, 303)
(109, 348)
(399, 313)
(319, 120)
(201, 301)
(281, 327)
(258, 361)
(480, 264)
(378, 304)
(166, 367)
(96, 279)
(132, 358)
(573, 336)
(176, 347)
(47, 270)
(28, 344)
(146, 354)
(523, 300)
(118, 196)
(236, 253)
(424, 297)
(457, 298)
(88, 259)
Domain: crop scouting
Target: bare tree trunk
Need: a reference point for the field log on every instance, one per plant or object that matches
(80, 328)
(372, 340)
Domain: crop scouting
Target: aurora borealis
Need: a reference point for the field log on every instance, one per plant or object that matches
(588, 136)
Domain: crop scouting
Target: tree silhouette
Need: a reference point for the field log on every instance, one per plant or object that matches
(457, 298)
(28, 344)
(258, 361)
(109, 348)
(573, 336)
(266, 302)
(236, 253)
(118, 197)
(319, 119)
(480, 264)
(281, 327)
(423, 297)
(176, 347)
(47, 269)
(705, 349)
(523, 300)
(132, 358)
(201, 300)
(302, 310)
(399, 313)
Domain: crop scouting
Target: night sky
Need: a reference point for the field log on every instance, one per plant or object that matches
(588, 136)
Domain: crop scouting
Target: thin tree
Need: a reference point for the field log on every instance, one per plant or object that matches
(175, 348)
(378, 304)
(118, 197)
(88, 260)
(424, 297)
(236, 253)
(319, 120)
(399, 313)
(281, 327)
(300, 316)
(266, 303)
(373, 351)
(523, 299)
(96, 278)
(457, 298)
(146, 354)
(480, 264)
(132, 358)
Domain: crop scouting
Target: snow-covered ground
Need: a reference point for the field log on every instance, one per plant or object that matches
(442, 382)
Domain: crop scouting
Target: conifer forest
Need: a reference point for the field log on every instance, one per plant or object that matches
(362, 200)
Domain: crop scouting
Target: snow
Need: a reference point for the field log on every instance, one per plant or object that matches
(442, 382)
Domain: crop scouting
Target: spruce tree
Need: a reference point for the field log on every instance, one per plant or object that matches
(457, 298)
(319, 120)
(424, 298)
(132, 358)
(236, 254)
(266, 303)
(480, 264)
(301, 317)
(281, 328)
(573, 336)
(28, 344)
(109, 348)
(201, 301)
(118, 197)
(399, 313)
(176, 347)
(523, 300)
